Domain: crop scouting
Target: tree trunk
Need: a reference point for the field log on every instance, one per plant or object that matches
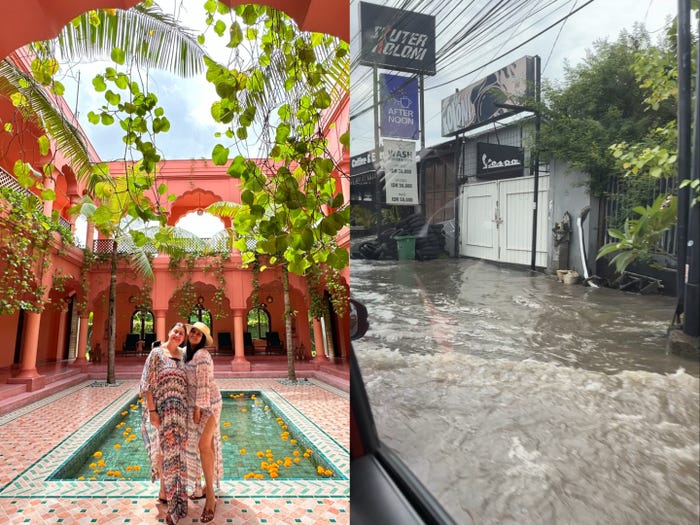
(291, 373)
(111, 346)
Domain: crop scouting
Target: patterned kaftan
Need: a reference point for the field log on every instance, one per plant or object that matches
(166, 379)
(204, 393)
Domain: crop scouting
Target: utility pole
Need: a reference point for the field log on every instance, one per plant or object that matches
(691, 324)
(683, 118)
(377, 158)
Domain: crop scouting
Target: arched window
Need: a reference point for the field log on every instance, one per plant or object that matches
(200, 313)
(142, 323)
(258, 322)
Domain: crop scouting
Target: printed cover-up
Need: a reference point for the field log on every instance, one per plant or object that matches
(166, 379)
(204, 393)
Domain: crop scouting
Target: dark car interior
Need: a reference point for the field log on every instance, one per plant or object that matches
(383, 490)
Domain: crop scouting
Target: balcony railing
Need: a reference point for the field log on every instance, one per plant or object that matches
(189, 245)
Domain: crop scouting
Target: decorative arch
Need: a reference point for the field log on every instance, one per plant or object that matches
(258, 322)
(192, 200)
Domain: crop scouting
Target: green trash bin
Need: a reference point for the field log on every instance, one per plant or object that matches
(406, 246)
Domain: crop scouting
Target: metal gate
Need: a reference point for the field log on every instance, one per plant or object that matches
(496, 220)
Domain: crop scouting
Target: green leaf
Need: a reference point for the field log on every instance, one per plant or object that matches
(44, 145)
(118, 56)
(99, 83)
(283, 131)
(220, 155)
(48, 195)
(235, 35)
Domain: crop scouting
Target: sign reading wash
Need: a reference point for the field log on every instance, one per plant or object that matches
(399, 161)
(399, 106)
(397, 39)
(475, 105)
(498, 162)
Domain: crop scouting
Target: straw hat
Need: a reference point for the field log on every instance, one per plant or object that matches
(204, 329)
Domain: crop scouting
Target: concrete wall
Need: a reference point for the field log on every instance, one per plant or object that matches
(568, 192)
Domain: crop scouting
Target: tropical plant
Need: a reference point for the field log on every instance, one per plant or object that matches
(290, 209)
(144, 34)
(639, 239)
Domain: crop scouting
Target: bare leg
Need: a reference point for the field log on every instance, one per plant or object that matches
(206, 452)
(161, 494)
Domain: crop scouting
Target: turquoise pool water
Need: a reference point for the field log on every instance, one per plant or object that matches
(254, 438)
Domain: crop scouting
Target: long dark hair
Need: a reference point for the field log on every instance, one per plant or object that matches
(193, 350)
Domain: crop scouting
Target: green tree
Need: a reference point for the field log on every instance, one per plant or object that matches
(652, 156)
(601, 103)
(290, 209)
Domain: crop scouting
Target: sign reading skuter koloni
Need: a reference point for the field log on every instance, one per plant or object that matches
(397, 39)
(401, 176)
(498, 162)
(475, 105)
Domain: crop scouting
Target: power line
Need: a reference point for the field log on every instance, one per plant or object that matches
(489, 21)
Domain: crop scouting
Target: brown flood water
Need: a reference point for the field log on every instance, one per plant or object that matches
(518, 399)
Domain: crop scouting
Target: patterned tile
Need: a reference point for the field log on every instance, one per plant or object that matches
(36, 439)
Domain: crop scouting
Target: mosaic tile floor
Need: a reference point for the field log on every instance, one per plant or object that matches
(36, 439)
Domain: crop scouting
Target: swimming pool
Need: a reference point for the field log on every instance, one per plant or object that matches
(258, 442)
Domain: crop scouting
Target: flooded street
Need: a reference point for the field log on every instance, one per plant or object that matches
(520, 400)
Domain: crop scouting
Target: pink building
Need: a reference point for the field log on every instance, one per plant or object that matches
(220, 293)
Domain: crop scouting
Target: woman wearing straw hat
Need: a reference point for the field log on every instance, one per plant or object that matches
(204, 436)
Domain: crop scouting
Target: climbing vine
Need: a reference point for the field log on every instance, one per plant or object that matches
(26, 236)
(329, 279)
(216, 266)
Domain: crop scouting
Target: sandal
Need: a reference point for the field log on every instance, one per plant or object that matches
(201, 495)
(207, 514)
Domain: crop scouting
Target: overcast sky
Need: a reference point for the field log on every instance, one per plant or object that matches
(187, 102)
(601, 19)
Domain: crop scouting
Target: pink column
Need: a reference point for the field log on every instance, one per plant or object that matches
(239, 363)
(28, 373)
(161, 329)
(80, 359)
(320, 343)
(61, 337)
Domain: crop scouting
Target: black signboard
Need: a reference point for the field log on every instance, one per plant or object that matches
(362, 163)
(498, 162)
(397, 39)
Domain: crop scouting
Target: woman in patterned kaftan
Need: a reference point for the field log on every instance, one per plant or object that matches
(204, 434)
(164, 428)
